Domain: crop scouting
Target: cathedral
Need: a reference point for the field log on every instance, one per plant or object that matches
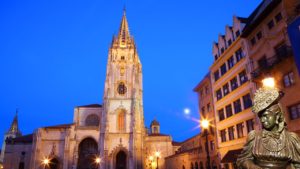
(111, 135)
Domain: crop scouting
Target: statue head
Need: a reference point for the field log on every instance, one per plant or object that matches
(267, 107)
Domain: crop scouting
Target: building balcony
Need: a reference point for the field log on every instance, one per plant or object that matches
(264, 67)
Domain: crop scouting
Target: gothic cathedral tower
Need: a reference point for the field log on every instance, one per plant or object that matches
(122, 123)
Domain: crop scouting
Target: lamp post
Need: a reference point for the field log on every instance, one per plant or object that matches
(205, 126)
(157, 154)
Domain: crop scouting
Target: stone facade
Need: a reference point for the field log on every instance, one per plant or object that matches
(114, 132)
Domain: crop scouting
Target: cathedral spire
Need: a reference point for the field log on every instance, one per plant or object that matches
(14, 127)
(124, 35)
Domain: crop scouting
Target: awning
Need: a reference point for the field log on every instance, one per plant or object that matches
(231, 156)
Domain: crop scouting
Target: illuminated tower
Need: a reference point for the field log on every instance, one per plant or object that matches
(122, 125)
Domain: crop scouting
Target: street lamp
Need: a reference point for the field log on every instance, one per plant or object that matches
(268, 82)
(157, 154)
(205, 125)
(98, 161)
(46, 162)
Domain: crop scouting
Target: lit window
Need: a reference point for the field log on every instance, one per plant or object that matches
(288, 79)
(121, 121)
(294, 111)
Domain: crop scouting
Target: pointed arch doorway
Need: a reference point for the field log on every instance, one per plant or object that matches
(88, 150)
(121, 160)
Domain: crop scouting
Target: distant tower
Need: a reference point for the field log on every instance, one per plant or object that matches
(155, 127)
(13, 132)
(122, 127)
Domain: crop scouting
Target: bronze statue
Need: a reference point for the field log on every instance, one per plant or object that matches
(273, 147)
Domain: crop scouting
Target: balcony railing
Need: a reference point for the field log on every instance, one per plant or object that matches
(281, 54)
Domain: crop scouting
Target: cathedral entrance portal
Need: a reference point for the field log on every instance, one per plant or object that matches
(121, 159)
(88, 150)
(53, 164)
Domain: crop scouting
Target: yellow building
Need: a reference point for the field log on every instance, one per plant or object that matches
(231, 92)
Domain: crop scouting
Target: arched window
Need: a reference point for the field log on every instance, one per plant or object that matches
(192, 166)
(121, 121)
(92, 120)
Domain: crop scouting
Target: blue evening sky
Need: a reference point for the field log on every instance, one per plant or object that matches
(53, 56)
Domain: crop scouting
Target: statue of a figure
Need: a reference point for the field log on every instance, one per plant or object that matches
(273, 147)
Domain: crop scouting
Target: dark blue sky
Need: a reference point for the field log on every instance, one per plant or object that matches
(53, 56)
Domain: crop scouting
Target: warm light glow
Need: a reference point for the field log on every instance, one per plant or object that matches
(205, 123)
(46, 161)
(98, 160)
(157, 153)
(269, 82)
(151, 158)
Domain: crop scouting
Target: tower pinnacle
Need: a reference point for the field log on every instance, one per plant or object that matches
(124, 35)
(14, 127)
